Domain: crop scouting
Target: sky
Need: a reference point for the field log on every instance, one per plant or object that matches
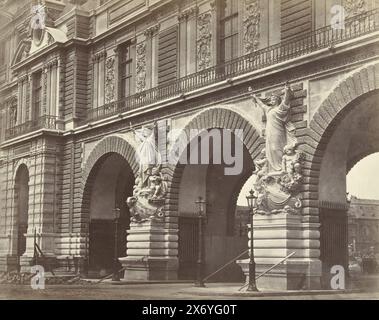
(362, 180)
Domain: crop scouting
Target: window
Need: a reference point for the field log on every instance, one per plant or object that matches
(37, 95)
(126, 70)
(228, 35)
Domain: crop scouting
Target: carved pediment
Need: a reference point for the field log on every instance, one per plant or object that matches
(38, 39)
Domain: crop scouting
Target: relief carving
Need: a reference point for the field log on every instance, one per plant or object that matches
(354, 7)
(278, 170)
(141, 66)
(204, 41)
(251, 25)
(109, 80)
(12, 106)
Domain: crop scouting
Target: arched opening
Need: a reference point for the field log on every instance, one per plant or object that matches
(110, 182)
(225, 230)
(21, 205)
(355, 134)
(363, 216)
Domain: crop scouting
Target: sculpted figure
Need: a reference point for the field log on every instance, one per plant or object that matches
(279, 130)
(288, 159)
(278, 169)
(157, 184)
(150, 186)
(261, 165)
(291, 169)
(147, 153)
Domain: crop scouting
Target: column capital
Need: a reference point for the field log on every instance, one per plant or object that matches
(188, 13)
(151, 31)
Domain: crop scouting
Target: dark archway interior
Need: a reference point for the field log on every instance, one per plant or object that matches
(355, 134)
(112, 183)
(223, 240)
(21, 198)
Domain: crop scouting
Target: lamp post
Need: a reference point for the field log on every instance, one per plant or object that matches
(116, 276)
(200, 258)
(251, 203)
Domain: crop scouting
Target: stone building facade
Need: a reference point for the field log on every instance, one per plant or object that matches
(78, 78)
(363, 225)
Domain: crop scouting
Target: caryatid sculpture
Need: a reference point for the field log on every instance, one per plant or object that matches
(151, 187)
(278, 170)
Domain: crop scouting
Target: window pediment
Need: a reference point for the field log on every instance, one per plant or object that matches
(37, 40)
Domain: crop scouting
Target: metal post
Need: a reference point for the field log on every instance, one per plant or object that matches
(252, 284)
(35, 253)
(116, 275)
(199, 281)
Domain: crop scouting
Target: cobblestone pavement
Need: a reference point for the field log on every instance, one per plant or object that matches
(162, 292)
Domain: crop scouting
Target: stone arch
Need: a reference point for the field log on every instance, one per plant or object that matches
(20, 207)
(357, 85)
(17, 166)
(112, 144)
(215, 117)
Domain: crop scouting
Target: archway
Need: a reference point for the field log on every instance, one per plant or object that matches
(363, 215)
(345, 129)
(109, 184)
(223, 239)
(21, 206)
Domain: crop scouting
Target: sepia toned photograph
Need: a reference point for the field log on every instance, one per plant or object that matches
(204, 150)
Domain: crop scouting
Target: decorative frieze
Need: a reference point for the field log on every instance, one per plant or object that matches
(251, 26)
(204, 41)
(141, 66)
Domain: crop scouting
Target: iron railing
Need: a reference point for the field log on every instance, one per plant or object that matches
(43, 122)
(325, 37)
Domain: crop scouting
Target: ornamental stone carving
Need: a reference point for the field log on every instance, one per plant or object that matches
(187, 14)
(354, 7)
(251, 27)
(98, 56)
(151, 31)
(204, 41)
(45, 75)
(278, 170)
(141, 66)
(12, 106)
(151, 187)
(109, 80)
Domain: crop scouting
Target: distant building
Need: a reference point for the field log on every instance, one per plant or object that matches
(363, 219)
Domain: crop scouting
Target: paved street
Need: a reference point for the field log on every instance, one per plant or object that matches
(163, 292)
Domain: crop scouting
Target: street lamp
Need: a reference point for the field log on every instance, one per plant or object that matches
(251, 198)
(116, 276)
(200, 203)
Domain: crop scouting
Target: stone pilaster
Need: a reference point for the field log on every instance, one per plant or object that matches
(42, 202)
